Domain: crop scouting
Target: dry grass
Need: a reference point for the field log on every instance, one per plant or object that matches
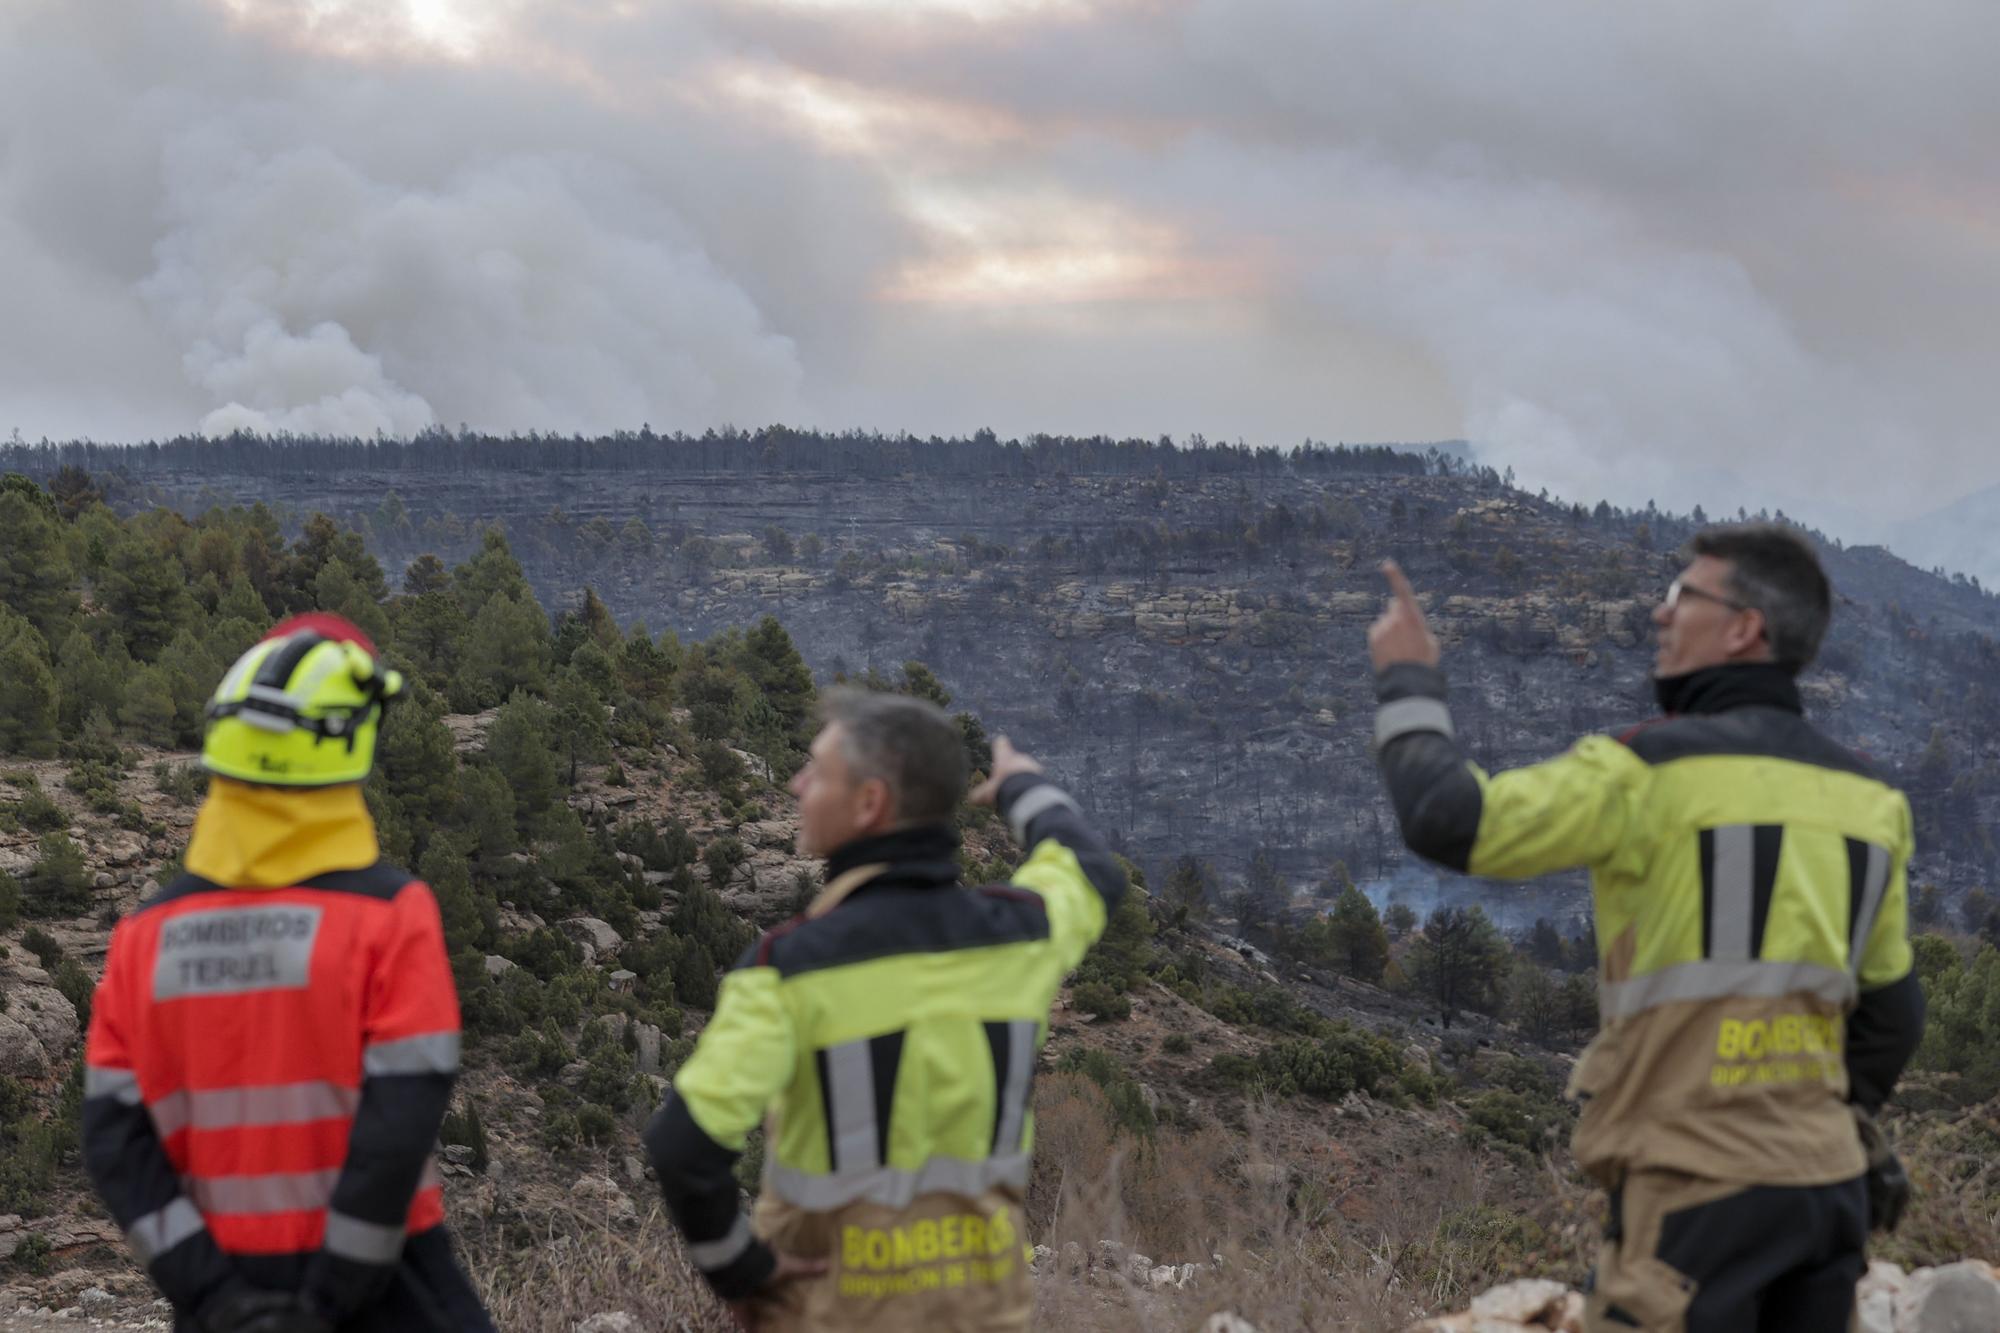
(1293, 1255)
(1365, 1253)
(1953, 1160)
(568, 1264)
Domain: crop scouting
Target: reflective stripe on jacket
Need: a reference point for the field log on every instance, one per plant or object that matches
(891, 1035)
(266, 1072)
(1750, 888)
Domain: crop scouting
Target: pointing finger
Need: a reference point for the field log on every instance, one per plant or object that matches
(1399, 587)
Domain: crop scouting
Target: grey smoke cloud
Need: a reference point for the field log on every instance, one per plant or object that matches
(532, 291)
(1694, 253)
(315, 244)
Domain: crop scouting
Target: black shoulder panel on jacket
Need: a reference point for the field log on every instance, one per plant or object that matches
(183, 885)
(382, 880)
(1767, 732)
(886, 923)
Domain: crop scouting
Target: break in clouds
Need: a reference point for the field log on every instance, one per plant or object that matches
(1693, 253)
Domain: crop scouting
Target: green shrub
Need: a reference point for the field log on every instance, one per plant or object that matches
(596, 1125)
(1346, 1060)
(36, 811)
(76, 987)
(32, 1254)
(59, 885)
(1240, 1072)
(10, 901)
(183, 784)
(538, 1053)
(96, 782)
(33, 1143)
(1513, 1120)
(559, 1133)
(722, 856)
(464, 1130)
(1177, 1043)
(42, 945)
(1121, 1090)
(1100, 1001)
(546, 953)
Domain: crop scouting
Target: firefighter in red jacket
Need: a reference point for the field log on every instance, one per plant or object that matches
(274, 1042)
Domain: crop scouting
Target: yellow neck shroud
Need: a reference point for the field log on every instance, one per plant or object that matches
(266, 838)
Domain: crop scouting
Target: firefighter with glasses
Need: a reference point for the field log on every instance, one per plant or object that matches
(1749, 881)
(275, 1038)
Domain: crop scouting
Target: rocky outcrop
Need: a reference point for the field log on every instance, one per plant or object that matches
(596, 938)
(38, 1027)
(1954, 1298)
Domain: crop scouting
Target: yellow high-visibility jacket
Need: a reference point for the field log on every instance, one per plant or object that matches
(1749, 878)
(890, 1035)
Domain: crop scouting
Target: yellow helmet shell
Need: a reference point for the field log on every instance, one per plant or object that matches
(301, 709)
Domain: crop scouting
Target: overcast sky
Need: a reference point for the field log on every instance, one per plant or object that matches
(1700, 251)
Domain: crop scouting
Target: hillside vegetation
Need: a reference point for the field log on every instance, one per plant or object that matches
(1319, 1114)
(1178, 628)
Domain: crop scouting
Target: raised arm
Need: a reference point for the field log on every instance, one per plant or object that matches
(1573, 810)
(1069, 864)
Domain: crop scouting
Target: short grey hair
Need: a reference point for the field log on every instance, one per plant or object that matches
(908, 743)
(1775, 570)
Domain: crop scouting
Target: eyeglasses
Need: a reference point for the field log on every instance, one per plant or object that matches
(1679, 588)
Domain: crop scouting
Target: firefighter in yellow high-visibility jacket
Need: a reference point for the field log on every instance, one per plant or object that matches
(890, 1032)
(1756, 993)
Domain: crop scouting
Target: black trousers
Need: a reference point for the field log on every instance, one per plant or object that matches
(1683, 1255)
(430, 1293)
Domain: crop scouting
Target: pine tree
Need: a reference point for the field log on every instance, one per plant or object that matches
(468, 922)
(1263, 896)
(35, 573)
(59, 885)
(780, 673)
(1124, 953)
(647, 667)
(1545, 944)
(1359, 942)
(191, 673)
(1459, 960)
(485, 812)
(29, 701)
(1399, 920)
(1535, 1002)
(416, 762)
(92, 680)
(578, 723)
(1187, 891)
(506, 649)
(492, 573)
(518, 745)
(146, 593)
(430, 632)
(920, 681)
(147, 711)
(337, 589)
(426, 575)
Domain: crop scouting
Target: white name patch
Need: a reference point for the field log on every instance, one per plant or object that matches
(236, 949)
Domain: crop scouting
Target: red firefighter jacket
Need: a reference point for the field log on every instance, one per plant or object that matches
(268, 1064)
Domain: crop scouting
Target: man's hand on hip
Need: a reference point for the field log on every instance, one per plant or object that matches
(1007, 762)
(1400, 633)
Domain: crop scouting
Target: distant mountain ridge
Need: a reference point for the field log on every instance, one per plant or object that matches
(1179, 629)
